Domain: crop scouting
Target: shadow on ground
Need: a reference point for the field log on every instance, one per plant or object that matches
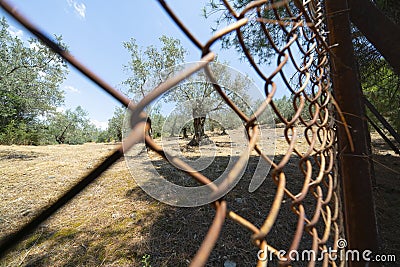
(171, 236)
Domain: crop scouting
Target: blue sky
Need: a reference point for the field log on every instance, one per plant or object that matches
(95, 30)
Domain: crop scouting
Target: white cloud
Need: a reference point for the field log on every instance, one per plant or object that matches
(79, 8)
(100, 124)
(72, 89)
(15, 32)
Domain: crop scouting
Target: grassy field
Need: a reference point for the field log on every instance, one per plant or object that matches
(114, 223)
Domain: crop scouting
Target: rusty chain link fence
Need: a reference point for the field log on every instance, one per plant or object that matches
(296, 32)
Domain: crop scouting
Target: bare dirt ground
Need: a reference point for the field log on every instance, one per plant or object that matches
(387, 197)
(115, 223)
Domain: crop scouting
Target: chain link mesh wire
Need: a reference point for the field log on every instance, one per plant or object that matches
(295, 32)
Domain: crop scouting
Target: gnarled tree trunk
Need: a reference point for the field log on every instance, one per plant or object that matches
(199, 134)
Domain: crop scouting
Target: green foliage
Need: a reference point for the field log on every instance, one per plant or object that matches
(30, 79)
(72, 127)
(150, 66)
(259, 44)
(114, 129)
(267, 116)
(200, 99)
(157, 122)
(14, 133)
(381, 85)
(30, 76)
(145, 66)
(103, 137)
(382, 89)
(285, 108)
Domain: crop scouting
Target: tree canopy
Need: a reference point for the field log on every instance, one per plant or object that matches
(379, 79)
(197, 96)
(146, 65)
(30, 76)
(72, 127)
(376, 37)
(150, 66)
(379, 22)
(30, 79)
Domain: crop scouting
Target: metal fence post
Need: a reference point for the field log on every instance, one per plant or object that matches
(355, 165)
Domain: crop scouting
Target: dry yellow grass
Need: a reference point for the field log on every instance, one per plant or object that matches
(114, 223)
(33, 177)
